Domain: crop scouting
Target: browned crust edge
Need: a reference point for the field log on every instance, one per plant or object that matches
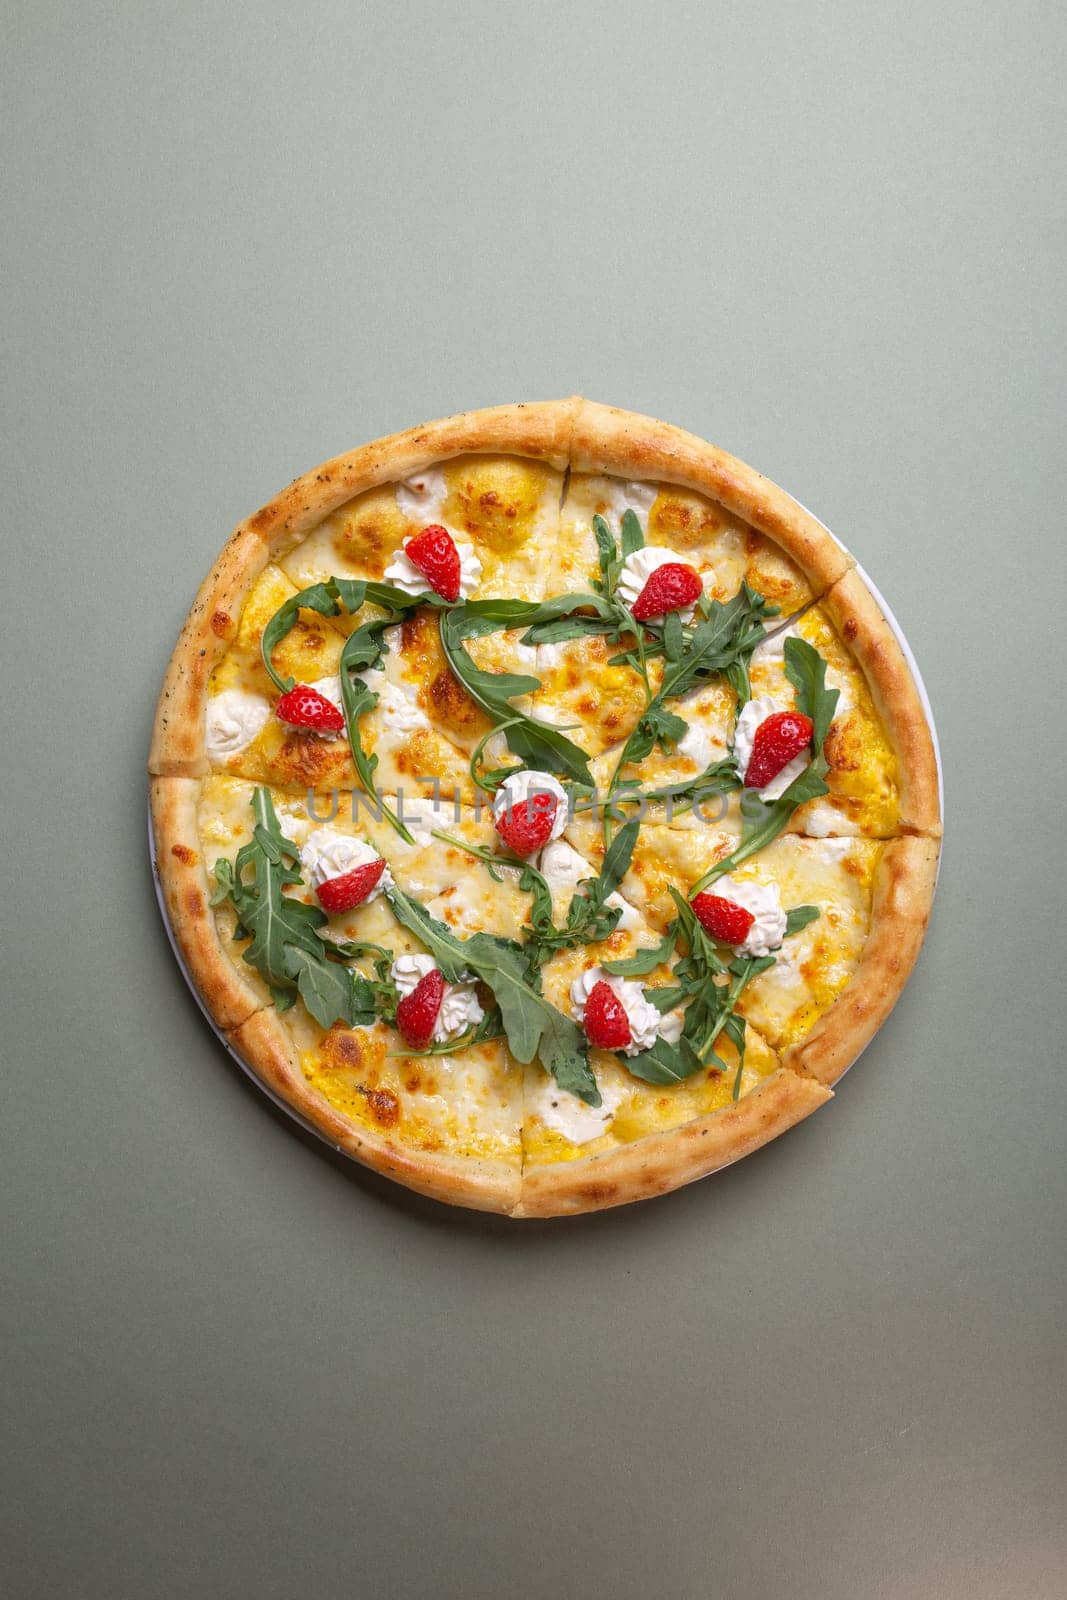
(481, 1185)
(606, 439)
(859, 620)
(537, 428)
(186, 893)
(662, 1162)
(903, 894)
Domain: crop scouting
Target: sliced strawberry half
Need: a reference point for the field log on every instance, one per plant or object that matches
(528, 825)
(669, 588)
(416, 1015)
(305, 707)
(724, 919)
(606, 1023)
(351, 888)
(434, 552)
(778, 739)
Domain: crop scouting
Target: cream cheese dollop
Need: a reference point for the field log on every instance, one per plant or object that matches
(460, 1009)
(646, 1023)
(639, 567)
(571, 1118)
(420, 497)
(630, 494)
(232, 721)
(402, 573)
(752, 714)
(520, 788)
(763, 902)
(328, 854)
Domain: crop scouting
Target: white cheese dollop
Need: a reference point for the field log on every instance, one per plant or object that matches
(646, 1023)
(402, 573)
(753, 713)
(394, 706)
(763, 902)
(420, 497)
(233, 720)
(328, 854)
(520, 788)
(570, 1117)
(629, 494)
(639, 567)
(460, 1009)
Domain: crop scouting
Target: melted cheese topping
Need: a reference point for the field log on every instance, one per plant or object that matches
(507, 511)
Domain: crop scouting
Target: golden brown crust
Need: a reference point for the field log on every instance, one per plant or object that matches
(229, 997)
(903, 894)
(662, 1162)
(482, 1185)
(606, 439)
(859, 620)
(540, 428)
(177, 748)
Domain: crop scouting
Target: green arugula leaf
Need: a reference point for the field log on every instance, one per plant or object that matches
(806, 671)
(533, 1026)
(537, 744)
(645, 960)
(632, 535)
(285, 947)
(800, 917)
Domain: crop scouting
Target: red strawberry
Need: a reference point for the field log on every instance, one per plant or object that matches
(305, 707)
(528, 825)
(606, 1022)
(723, 919)
(417, 1012)
(668, 589)
(351, 888)
(434, 552)
(778, 739)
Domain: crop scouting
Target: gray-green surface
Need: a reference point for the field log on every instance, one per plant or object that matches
(240, 238)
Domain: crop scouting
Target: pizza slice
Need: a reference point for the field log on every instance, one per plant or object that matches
(836, 914)
(649, 551)
(363, 1032)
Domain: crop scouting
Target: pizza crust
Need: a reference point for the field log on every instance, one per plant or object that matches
(662, 1162)
(903, 894)
(477, 1183)
(859, 620)
(606, 439)
(229, 997)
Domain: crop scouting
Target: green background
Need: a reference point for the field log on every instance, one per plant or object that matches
(241, 238)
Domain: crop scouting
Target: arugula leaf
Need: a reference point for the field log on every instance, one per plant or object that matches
(632, 535)
(762, 821)
(285, 947)
(533, 1026)
(329, 599)
(645, 960)
(537, 744)
(800, 917)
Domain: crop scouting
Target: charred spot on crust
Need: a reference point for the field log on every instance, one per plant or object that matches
(184, 854)
(220, 623)
(850, 629)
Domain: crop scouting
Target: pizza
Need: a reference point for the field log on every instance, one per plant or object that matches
(543, 808)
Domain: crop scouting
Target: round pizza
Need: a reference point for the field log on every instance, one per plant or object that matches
(543, 808)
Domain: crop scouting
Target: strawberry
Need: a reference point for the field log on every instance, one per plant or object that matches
(778, 739)
(305, 707)
(723, 919)
(434, 552)
(606, 1022)
(416, 1014)
(528, 825)
(670, 587)
(351, 888)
